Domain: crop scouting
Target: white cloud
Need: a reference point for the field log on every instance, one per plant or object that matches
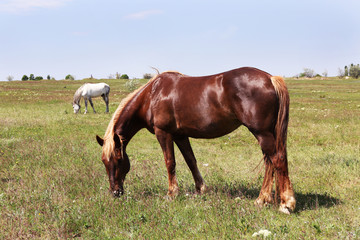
(19, 6)
(143, 14)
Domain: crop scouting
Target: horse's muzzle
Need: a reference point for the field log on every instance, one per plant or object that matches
(117, 193)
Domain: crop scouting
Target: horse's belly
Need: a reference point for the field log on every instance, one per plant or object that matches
(208, 129)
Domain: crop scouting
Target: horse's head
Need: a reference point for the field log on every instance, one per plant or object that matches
(76, 107)
(116, 162)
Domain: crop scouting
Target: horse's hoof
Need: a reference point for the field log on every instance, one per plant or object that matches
(261, 202)
(284, 209)
(203, 189)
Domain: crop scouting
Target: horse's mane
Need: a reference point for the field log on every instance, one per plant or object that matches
(77, 95)
(109, 144)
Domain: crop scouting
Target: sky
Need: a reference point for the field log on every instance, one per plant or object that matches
(99, 38)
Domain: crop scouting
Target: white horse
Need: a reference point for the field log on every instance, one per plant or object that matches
(89, 90)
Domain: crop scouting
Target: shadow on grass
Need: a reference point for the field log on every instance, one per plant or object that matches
(304, 201)
(244, 190)
(314, 201)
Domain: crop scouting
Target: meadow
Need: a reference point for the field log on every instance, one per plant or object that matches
(53, 184)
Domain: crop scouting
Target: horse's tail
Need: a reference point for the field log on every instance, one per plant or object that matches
(283, 116)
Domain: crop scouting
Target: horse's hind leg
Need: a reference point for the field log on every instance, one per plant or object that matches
(187, 152)
(167, 145)
(92, 105)
(276, 164)
(106, 100)
(267, 143)
(265, 196)
(283, 184)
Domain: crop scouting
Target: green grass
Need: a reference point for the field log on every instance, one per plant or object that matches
(54, 185)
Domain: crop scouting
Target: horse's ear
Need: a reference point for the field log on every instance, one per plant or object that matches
(117, 141)
(100, 140)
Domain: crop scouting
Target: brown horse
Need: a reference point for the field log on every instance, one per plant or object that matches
(175, 107)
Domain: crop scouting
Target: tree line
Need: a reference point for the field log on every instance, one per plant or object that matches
(32, 77)
(352, 70)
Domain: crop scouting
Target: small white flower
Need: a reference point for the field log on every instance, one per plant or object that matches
(205, 164)
(263, 232)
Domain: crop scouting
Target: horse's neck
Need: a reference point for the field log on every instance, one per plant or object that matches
(127, 125)
(78, 94)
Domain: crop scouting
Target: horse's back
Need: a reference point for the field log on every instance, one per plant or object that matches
(209, 106)
(95, 89)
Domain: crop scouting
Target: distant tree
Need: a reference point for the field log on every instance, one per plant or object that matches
(10, 78)
(25, 78)
(69, 77)
(325, 73)
(124, 76)
(117, 76)
(32, 77)
(38, 78)
(308, 73)
(147, 76)
(341, 73)
(48, 77)
(346, 72)
(354, 71)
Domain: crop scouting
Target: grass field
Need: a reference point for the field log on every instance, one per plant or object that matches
(54, 185)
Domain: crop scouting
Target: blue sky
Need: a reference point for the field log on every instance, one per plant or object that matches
(99, 38)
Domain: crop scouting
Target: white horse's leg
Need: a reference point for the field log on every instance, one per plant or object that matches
(92, 105)
(107, 103)
(85, 99)
(106, 100)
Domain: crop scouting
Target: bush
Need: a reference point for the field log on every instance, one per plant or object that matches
(132, 84)
(124, 76)
(147, 76)
(354, 71)
(48, 77)
(39, 78)
(32, 77)
(309, 73)
(24, 78)
(69, 77)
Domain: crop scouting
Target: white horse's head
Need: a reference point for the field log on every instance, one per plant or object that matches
(76, 107)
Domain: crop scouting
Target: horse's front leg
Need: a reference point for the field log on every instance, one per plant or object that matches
(167, 145)
(86, 111)
(187, 152)
(92, 105)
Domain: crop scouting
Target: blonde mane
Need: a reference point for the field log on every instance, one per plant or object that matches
(109, 144)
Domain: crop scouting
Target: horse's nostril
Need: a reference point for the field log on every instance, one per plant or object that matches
(117, 193)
